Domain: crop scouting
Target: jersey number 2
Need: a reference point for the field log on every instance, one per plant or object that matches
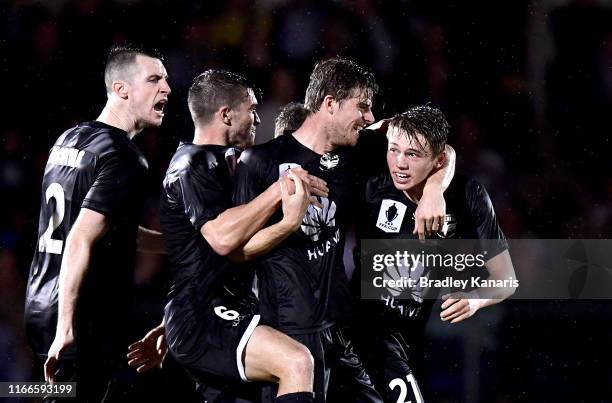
(46, 243)
(404, 389)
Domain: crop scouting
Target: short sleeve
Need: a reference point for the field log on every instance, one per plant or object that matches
(117, 179)
(487, 225)
(249, 179)
(203, 194)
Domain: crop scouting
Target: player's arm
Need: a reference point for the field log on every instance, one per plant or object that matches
(429, 215)
(294, 207)
(460, 306)
(237, 225)
(87, 229)
(150, 241)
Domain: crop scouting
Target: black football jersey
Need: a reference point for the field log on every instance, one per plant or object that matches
(387, 213)
(93, 166)
(196, 189)
(302, 277)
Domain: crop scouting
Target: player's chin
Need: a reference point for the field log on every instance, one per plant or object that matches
(402, 186)
(155, 120)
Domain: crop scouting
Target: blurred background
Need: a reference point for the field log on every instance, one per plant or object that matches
(527, 88)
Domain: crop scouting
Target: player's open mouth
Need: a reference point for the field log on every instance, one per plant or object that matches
(401, 177)
(159, 106)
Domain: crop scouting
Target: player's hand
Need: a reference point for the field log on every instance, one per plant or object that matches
(315, 186)
(459, 306)
(294, 204)
(61, 342)
(149, 352)
(429, 215)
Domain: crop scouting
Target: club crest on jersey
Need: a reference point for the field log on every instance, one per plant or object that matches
(282, 168)
(391, 215)
(448, 228)
(328, 161)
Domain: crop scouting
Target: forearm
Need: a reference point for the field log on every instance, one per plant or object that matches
(150, 241)
(441, 179)
(72, 273)
(235, 226)
(262, 242)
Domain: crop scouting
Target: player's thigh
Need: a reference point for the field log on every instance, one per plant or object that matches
(270, 354)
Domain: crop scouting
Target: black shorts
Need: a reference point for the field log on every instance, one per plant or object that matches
(213, 339)
(387, 360)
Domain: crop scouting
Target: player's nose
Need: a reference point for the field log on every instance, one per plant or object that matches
(256, 121)
(165, 87)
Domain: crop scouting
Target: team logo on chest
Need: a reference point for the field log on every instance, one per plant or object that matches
(328, 161)
(391, 215)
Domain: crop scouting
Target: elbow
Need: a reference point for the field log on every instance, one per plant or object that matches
(221, 247)
(511, 291)
(221, 244)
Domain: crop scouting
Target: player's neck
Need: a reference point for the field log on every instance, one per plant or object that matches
(415, 194)
(204, 135)
(313, 134)
(113, 116)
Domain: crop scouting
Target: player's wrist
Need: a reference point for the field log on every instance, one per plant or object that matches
(433, 187)
(290, 223)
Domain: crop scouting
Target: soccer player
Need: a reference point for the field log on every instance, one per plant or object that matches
(302, 284)
(80, 278)
(290, 118)
(211, 321)
(388, 331)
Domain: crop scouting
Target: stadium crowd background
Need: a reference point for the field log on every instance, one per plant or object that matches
(527, 87)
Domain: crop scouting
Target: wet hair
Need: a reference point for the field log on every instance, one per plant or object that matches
(121, 59)
(341, 78)
(427, 121)
(290, 118)
(214, 89)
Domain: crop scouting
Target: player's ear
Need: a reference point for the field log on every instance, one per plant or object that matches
(226, 115)
(440, 160)
(120, 88)
(328, 104)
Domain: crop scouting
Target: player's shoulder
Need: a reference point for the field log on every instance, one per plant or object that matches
(464, 184)
(98, 138)
(191, 157)
(467, 190)
(380, 187)
(262, 154)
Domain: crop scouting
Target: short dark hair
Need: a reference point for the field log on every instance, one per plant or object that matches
(425, 120)
(339, 77)
(121, 58)
(290, 118)
(214, 89)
